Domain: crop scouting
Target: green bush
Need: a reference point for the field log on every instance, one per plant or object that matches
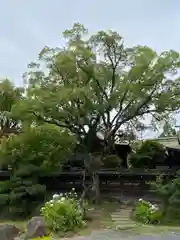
(169, 191)
(19, 197)
(63, 213)
(147, 213)
(44, 148)
(147, 155)
(34, 153)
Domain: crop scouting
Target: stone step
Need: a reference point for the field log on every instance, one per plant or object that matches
(120, 217)
(120, 220)
(121, 214)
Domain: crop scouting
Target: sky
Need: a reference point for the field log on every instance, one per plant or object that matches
(27, 26)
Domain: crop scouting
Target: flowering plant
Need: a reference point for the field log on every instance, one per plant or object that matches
(147, 212)
(63, 213)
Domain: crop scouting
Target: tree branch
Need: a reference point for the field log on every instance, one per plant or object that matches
(50, 121)
(97, 82)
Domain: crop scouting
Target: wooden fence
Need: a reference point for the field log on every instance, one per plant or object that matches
(125, 182)
(130, 182)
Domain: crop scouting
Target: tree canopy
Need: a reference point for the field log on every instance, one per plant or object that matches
(9, 96)
(96, 83)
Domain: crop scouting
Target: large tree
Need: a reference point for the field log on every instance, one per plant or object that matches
(95, 83)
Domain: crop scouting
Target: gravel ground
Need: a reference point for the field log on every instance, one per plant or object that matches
(115, 235)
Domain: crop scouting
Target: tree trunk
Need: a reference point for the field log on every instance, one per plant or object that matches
(95, 188)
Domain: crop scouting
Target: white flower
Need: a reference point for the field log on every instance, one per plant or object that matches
(61, 194)
(73, 189)
(62, 199)
(51, 201)
(154, 208)
(55, 196)
(140, 200)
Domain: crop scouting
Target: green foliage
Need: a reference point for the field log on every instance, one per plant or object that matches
(34, 153)
(147, 154)
(37, 150)
(112, 161)
(147, 213)
(169, 192)
(9, 97)
(20, 196)
(78, 92)
(63, 213)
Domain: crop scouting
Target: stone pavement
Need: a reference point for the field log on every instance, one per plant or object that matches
(121, 218)
(117, 235)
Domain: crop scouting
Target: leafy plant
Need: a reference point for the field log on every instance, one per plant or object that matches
(20, 196)
(63, 213)
(169, 191)
(147, 154)
(34, 153)
(147, 213)
(37, 149)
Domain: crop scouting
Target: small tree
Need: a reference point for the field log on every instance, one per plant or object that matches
(45, 147)
(9, 96)
(32, 154)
